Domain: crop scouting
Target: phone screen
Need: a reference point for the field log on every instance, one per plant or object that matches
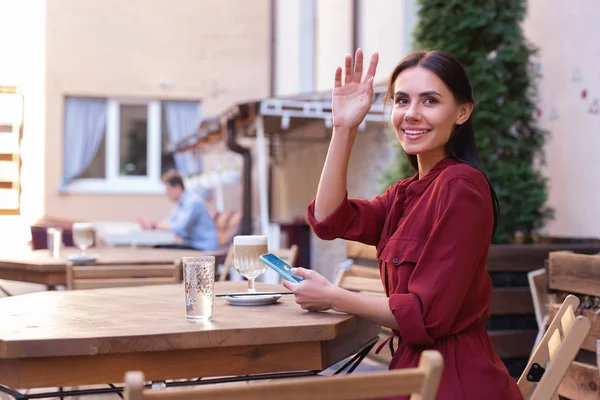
(281, 266)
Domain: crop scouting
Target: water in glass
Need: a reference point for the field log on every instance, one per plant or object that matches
(199, 283)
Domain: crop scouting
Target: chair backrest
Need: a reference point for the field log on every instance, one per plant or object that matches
(555, 353)
(421, 382)
(228, 225)
(358, 278)
(289, 255)
(538, 285)
(106, 276)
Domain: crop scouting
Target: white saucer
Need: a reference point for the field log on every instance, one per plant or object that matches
(252, 300)
(82, 258)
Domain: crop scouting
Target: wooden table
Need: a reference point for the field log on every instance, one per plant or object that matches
(140, 238)
(39, 267)
(70, 338)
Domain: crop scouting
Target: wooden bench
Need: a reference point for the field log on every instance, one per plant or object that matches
(421, 382)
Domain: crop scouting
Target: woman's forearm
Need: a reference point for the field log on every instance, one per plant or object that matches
(369, 307)
(333, 182)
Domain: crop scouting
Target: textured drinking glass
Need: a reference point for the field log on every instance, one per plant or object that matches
(199, 283)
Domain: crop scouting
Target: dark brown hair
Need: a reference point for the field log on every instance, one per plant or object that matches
(173, 179)
(461, 146)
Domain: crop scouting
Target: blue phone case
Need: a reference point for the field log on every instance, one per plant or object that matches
(280, 266)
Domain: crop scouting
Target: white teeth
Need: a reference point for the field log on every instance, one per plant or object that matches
(415, 132)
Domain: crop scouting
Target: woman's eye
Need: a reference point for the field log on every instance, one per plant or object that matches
(429, 100)
(401, 100)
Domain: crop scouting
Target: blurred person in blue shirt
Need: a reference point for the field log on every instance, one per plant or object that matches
(190, 220)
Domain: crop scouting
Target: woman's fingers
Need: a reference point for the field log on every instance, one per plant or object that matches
(348, 69)
(372, 66)
(358, 66)
(355, 74)
(337, 82)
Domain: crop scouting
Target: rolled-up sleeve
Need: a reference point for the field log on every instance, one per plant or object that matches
(444, 272)
(355, 219)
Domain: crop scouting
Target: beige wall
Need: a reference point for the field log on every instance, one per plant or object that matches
(218, 52)
(568, 61)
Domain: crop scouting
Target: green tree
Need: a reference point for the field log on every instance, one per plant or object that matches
(486, 36)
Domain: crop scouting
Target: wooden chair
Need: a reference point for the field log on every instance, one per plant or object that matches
(362, 279)
(289, 255)
(228, 225)
(106, 276)
(541, 296)
(421, 382)
(555, 352)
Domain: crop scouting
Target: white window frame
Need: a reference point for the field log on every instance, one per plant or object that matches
(114, 183)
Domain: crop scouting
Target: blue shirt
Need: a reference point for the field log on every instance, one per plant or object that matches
(191, 221)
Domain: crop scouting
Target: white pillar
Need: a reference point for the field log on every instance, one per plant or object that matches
(262, 162)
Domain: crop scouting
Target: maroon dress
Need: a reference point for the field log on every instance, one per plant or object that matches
(433, 236)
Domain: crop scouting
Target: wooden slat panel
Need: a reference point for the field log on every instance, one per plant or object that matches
(364, 272)
(507, 301)
(513, 343)
(574, 273)
(124, 282)
(159, 365)
(523, 258)
(359, 284)
(359, 250)
(590, 341)
(581, 382)
(130, 271)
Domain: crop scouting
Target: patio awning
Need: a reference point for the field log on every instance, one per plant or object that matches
(265, 117)
(279, 114)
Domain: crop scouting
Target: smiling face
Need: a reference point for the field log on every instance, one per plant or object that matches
(425, 113)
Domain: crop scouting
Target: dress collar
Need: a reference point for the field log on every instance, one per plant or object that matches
(418, 186)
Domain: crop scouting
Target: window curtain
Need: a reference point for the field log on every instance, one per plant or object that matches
(85, 120)
(183, 118)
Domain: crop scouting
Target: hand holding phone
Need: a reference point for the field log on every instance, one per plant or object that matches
(281, 267)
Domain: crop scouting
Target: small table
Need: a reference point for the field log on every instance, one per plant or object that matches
(39, 267)
(87, 337)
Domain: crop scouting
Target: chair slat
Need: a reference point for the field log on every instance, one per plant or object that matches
(554, 344)
(422, 381)
(567, 320)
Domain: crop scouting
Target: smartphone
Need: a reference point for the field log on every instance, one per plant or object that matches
(281, 267)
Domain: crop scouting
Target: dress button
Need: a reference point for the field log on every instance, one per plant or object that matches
(409, 191)
(395, 260)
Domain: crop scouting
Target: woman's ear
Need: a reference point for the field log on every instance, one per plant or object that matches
(464, 113)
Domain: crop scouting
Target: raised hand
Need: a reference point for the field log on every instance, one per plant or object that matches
(351, 99)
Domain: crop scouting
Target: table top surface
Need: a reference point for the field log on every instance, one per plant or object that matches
(41, 260)
(152, 318)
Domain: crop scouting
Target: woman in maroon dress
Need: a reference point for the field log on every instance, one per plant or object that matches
(432, 231)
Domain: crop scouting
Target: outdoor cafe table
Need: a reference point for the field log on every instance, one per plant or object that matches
(39, 266)
(88, 337)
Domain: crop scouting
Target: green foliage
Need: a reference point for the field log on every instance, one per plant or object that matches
(486, 36)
